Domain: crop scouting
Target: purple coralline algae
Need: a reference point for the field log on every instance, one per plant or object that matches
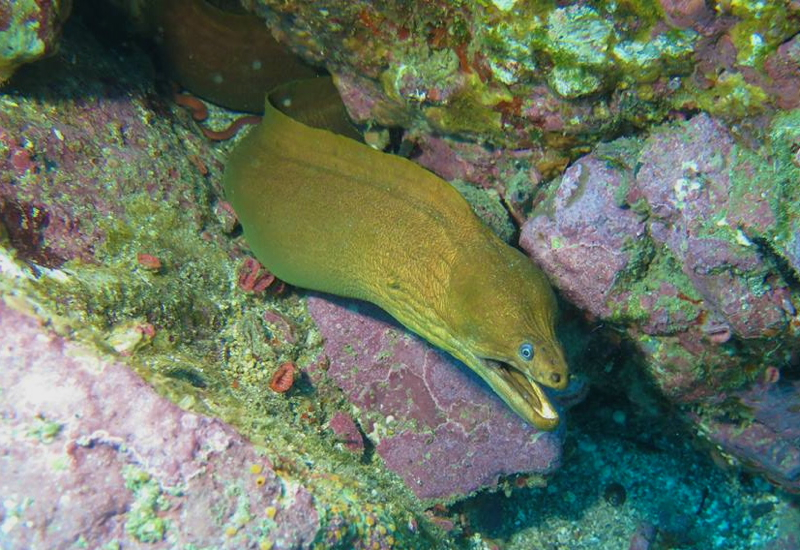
(113, 229)
(49, 212)
(431, 420)
(139, 471)
(770, 443)
(685, 239)
(346, 430)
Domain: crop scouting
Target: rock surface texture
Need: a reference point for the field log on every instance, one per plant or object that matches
(91, 452)
(430, 418)
(542, 80)
(29, 31)
(113, 232)
(687, 239)
(683, 237)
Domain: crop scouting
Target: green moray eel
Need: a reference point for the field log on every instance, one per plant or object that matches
(226, 58)
(327, 213)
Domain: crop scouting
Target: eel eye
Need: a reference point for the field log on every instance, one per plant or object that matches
(526, 351)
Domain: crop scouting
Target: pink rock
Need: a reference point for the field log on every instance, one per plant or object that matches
(597, 222)
(345, 428)
(432, 420)
(75, 424)
(686, 13)
(770, 442)
(784, 72)
(667, 237)
(282, 328)
(587, 214)
(643, 537)
(56, 161)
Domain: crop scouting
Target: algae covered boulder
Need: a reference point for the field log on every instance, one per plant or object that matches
(545, 80)
(29, 30)
(687, 239)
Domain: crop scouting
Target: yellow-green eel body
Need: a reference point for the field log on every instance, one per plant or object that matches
(327, 213)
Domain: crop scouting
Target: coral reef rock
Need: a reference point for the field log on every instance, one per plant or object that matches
(688, 240)
(430, 418)
(29, 31)
(544, 79)
(141, 471)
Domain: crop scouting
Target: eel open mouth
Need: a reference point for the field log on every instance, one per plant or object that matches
(523, 394)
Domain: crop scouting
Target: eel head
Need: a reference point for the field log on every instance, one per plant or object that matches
(506, 334)
(518, 381)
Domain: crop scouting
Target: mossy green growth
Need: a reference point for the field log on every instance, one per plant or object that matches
(573, 81)
(643, 61)
(651, 274)
(781, 167)
(784, 143)
(641, 15)
(469, 112)
(673, 365)
(19, 36)
(577, 35)
(488, 205)
(588, 48)
(426, 70)
(762, 27)
(507, 41)
(181, 297)
(731, 97)
(45, 430)
(242, 514)
(766, 183)
(578, 41)
(143, 522)
(641, 253)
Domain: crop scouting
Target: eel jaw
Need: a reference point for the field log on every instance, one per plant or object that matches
(524, 395)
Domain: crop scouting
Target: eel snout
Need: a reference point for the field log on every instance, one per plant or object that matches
(550, 367)
(521, 392)
(519, 380)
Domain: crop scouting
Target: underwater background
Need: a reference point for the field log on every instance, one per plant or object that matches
(160, 388)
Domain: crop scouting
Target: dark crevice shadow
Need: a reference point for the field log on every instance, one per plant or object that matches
(84, 69)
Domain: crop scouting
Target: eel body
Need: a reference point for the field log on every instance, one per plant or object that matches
(324, 212)
(226, 58)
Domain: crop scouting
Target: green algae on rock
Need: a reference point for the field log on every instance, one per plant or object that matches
(686, 235)
(29, 31)
(113, 177)
(547, 79)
